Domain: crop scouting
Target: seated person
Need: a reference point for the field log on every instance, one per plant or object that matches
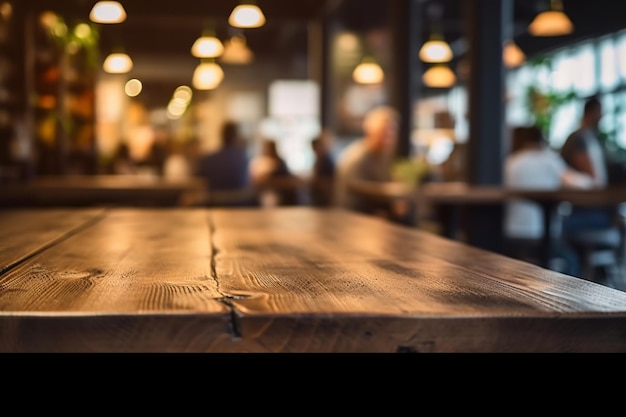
(583, 152)
(534, 165)
(270, 173)
(227, 168)
(323, 173)
(367, 163)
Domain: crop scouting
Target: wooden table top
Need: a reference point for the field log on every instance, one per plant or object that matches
(279, 280)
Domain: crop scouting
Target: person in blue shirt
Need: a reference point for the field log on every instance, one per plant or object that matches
(227, 168)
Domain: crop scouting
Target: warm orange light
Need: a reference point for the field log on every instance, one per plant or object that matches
(553, 22)
(436, 50)
(512, 55)
(207, 76)
(207, 46)
(246, 15)
(107, 12)
(236, 51)
(368, 72)
(118, 63)
(439, 76)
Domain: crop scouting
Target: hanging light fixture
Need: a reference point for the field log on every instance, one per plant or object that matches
(236, 51)
(439, 76)
(207, 75)
(368, 72)
(436, 49)
(552, 22)
(118, 63)
(512, 55)
(247, 15)
(208, 45)
(107, 12)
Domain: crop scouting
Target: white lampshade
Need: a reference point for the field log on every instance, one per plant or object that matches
(368, 72)
(207, 47)
(512, 55)
(439, 76)
(118, 63)
(246, 16)
(107, 12)
(436, 50)
(207, 76)
(552, 22)
(236, 51)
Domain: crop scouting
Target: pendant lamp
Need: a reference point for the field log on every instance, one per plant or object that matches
(439, 76)
(512, 55)
(118, 63)
(207, 45)
(436, 49)
(247, 15)
(368, 72)
(208, 75)
(236, 51)
(552, 22)
(107, 12)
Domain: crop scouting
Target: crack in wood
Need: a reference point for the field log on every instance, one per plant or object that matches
(234, 320)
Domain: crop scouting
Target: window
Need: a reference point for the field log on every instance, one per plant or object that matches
(584, 70)
(563, 72)
(609, 75)
(564, 121)
(621, 54)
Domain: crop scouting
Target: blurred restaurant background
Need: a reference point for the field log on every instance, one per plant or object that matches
(62, 112)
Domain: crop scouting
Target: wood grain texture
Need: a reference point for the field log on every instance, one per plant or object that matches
(315, 265)
(24, 233)
(129, 265)
(292, 279)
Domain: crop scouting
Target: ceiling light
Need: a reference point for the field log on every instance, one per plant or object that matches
(512, 55)
(552, 22)
(118, 63)
(207, 46)
(247, 15)
(207, 76)
(436, 50)
(439, 76)
(107, 12)
(133, 87)
(368, 72)
(236, 51)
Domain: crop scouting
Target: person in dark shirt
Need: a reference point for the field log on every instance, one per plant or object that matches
(270, 173)
(323, 173)
(583, 152)
(227, 168)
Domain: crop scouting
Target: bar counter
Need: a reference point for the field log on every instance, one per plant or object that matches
(279, 280)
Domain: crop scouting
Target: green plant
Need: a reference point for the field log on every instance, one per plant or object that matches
(82, 37)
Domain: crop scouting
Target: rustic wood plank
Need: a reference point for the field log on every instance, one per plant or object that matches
(292, 280)
(303, 264)
(26, 232)
(129, 265)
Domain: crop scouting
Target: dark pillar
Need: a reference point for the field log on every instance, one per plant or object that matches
(487, 24)
(321, 34)
(406, 68)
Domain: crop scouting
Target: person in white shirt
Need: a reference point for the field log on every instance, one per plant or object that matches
(534, 165)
